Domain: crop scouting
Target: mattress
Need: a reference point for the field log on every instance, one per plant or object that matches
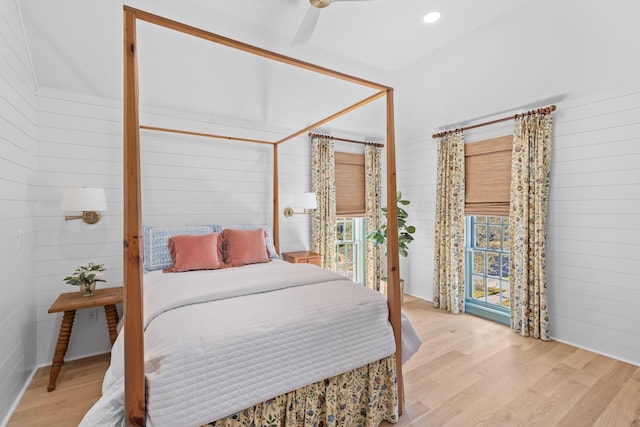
(217, 342)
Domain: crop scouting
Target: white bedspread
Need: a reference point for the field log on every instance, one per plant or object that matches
(217, 342)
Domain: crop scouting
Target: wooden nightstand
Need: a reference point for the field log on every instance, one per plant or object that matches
(69, 303)
(302, 257)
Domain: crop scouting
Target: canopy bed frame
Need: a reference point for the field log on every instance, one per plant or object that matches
(133, 245)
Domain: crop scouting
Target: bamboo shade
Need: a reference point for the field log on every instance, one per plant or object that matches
(350, 186)
(488, 176)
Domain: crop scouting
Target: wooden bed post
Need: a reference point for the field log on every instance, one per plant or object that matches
(393, 268)
(134, 384)
(276, 208)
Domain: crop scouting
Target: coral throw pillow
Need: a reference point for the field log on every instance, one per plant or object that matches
(191, 252)
(241, 247)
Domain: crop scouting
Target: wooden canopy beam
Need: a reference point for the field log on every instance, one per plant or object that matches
(206, 135)
(197, 32)
(335, 116)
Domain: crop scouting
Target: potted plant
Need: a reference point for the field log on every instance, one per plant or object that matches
(86, 277)
(405, 237)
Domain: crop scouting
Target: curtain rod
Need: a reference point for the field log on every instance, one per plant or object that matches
(374, 144)
(545, 110)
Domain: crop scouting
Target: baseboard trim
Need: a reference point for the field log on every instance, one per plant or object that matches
(612, 356)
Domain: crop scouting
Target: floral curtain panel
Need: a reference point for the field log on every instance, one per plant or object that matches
(530, 168)
(323, 219)
(373, 194)
(448, 281)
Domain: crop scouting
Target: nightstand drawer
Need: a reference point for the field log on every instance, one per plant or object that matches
(314, 260)
(302, 257)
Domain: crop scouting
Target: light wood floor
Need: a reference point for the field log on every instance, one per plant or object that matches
(468, 372)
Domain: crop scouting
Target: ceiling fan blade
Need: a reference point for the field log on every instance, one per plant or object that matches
(307, 26)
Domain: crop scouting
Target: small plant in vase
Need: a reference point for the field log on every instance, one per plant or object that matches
(405, 236)
(86, 277)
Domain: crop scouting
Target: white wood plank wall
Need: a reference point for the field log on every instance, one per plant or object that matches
(186, 180)
(17, 228)
(594, 225)
(594, 220)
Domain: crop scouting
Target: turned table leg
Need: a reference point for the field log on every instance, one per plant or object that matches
(61, 347)
(112, 321)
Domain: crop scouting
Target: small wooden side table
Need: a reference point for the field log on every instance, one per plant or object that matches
(302, 257)
(69, 303)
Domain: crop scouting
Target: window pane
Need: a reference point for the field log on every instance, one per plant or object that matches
(495, 219)
(348, 230)
(507, 237)
(340, 230)
(493, 264)
(481, 236)
(506, 293)
(504, 270)
(478, 288)
(481, 219)
(478, 263)
(493, 291)
(495, 237)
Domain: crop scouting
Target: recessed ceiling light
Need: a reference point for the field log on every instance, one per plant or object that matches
(431, 17)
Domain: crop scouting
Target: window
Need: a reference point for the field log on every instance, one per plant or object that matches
(350, 210)
(350, 249)
(487, 267)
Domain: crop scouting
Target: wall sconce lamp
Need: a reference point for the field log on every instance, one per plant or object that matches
(88, 200)
(307, 202)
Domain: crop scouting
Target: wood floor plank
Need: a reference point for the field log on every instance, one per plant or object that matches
(78, 387)
(595, 401)
(468, 372)
(551, 410)
(625, 407)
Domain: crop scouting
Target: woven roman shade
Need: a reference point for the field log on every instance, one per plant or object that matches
(488, 176)
(350, 185)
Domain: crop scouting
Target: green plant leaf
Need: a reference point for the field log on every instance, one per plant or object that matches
(379, 236)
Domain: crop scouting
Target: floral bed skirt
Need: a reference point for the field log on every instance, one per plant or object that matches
(362, 397)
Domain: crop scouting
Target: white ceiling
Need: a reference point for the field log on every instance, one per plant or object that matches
(384, 34)
(76, 46)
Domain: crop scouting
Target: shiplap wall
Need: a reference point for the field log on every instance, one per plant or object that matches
(594, 220)
(186, 180)
(594, 224)
(17, 167)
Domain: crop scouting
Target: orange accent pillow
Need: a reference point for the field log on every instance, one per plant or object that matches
(194, 252)
(242, 247)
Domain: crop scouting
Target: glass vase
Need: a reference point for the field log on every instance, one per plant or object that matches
(86, 290)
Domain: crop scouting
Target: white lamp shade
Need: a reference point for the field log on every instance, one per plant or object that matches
(309, 201)
(84, 199)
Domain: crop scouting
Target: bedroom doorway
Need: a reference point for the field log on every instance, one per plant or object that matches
(350, 248)
(488, 292)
